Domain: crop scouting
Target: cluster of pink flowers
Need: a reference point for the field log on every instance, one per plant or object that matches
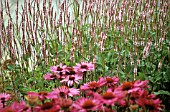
(106, 94)
(69, 75)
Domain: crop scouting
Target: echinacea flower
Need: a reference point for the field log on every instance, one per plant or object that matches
(70, 71)
(86, 104)
(84, 66)
(17, 107)
(107, 98)
(134, 86)
(20, 107)
(65, 103)
(4, 97)
(58, 92)
(110, 81)
(71, 79)
(141, 84)
(7, 109)
(50, 76)
(93, 85)
(47, 107)
(63, 92)
(150, 104)
(58, 69)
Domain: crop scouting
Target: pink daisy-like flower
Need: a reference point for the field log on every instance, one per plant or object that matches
(139, 94)
(4, 97)
(107, 97)
(47, 107)
(141, 84)
(63, 92)
(17, 107)
(50, 76)
(71, 79)
(65, 103)
(93, 85)
(86, 104)
(84, 66)
(20, 107)
(110, 81)
(134, 86)
(150, 104)
(149, 101)
(58, 69)
(70, 71)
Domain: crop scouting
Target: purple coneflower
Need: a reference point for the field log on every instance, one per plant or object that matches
(63, 92)
(107, 97)
(134, 86)
(71, 79)
(110, 81)
(86, 104)
(50, 76)
(58, 69)
(17, 107)
(3, 98)
(84, 66)
(93, 85)
(65, 104)
(47, 107)
(21, 106)
(70, 71)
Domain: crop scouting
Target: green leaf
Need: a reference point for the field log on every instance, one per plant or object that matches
(141, 75)
(162, 92)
